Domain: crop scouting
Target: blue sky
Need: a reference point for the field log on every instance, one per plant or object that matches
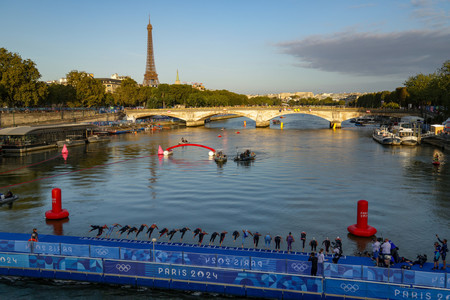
(243, 46)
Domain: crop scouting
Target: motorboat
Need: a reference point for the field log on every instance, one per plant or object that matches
(245, 156)
(6, 200)
(384, 137)
(70, 143)
(220, 157)
(406, 133)
(97, 138)
(407, 136)
(362, 121)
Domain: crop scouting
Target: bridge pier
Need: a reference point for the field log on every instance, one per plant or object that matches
(335, 123)
(262, 124)
(195, 123)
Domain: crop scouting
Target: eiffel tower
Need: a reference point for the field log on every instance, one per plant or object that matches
(150, 76)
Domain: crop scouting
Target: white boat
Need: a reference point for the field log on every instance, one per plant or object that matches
(407, 136)
(70, 143)
(406, 133)
(384, 137)
(365, 120)
(97, 138)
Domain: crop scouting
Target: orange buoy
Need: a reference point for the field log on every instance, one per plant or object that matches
(57, 212)
(361, 228)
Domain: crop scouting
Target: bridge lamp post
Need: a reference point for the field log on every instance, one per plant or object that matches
(153, 242)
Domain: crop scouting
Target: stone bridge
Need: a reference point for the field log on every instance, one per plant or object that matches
(263, 115)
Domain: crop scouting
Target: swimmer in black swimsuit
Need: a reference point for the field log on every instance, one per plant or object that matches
(303, 238)
(140, 229)
(222, 237)
(122, 230)
(236, 234)
(171, 233)
(183, 231)
(278, 241)
(163, 232)
(132, 229)
(197, 231)
(200, 237)
(213, 237)
(256, 239)
(327, 243)
(150, 230)
(99, 228)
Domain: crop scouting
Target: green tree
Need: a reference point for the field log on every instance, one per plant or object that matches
(59, 94)
(418, 88)
(19, 85)
(127, 94)
(89, 91)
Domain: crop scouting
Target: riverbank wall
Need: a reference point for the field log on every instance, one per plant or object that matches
(211, 269)
(13, 119)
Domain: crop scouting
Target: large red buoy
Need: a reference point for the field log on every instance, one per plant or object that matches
(57, 212)
(361, 228)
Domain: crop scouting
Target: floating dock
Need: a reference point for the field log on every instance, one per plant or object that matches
(225, 270)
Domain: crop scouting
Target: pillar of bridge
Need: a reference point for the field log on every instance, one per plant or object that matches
(335, 124)
(262, 123)
(195, 123)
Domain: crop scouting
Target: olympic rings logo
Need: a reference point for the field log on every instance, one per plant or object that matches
(299, 267)
(352, 288)
(123, 267)
(101, 251)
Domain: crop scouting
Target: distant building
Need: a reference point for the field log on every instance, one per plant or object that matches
(111, 84)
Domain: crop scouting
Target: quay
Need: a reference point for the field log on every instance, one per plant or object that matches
(212, 269)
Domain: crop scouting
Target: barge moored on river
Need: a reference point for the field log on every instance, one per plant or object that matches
(23, 139)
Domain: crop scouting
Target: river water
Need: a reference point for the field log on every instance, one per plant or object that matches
(306, 177)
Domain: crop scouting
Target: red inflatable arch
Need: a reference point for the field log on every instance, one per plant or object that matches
(195, 145)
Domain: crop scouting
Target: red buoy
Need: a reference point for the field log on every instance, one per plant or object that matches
(361, 228)
(57, 212)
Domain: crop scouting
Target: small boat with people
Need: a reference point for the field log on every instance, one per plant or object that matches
(436, 161)
(276, 122)
(9, 197)
(220, 157)
(247, 155)
(183, 141)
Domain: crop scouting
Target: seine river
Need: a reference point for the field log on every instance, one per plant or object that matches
(306, 177)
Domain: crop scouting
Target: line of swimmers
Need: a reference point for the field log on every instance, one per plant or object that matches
(198, 232)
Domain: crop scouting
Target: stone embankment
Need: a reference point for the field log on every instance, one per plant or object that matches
(12, 119)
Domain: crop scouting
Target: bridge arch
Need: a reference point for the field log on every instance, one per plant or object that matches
(263, 115)
(194, 145)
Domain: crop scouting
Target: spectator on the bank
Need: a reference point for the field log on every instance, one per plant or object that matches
(376, 250)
